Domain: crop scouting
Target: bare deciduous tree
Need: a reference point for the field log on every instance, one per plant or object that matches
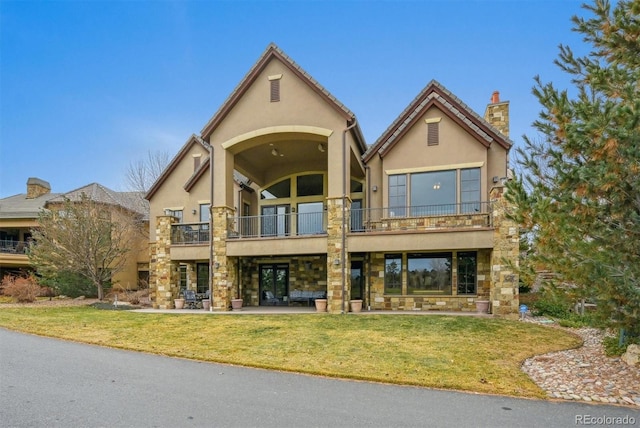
(141, 174)
(85, 237)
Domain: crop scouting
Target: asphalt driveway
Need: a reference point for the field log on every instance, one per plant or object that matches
(52, 383)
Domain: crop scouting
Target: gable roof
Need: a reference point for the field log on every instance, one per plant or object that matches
(132, 201)
(436, 94)
(193, 139)
(270, 53)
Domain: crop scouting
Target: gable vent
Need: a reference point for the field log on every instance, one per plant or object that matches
(433, 134)
(275, 87)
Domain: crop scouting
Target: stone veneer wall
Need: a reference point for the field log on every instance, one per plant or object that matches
(300, 277)
(498, 116)
(475, 221)
(166, 275)
(153, 277)
(380, 301)
(192, 276)
(334, 252)
(225, 275)
(505, 257)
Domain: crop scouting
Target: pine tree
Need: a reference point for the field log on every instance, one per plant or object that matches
(579, 194)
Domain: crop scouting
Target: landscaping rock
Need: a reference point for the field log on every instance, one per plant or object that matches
(632, 356)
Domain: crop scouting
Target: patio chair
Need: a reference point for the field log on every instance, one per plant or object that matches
(269, 298)
(190, 300)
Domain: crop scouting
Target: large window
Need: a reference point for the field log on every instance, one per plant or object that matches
(467, 272)
(393, 274)
(435, 192)
(429, 273)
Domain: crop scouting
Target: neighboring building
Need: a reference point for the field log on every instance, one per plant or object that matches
(19, 215)
(301, 206)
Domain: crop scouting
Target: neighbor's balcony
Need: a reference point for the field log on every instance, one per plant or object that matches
(190, 233)
(13, 247)
(417, 218)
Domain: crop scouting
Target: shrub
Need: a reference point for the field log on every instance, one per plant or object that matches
(21, 289)
(71, 284)
(612, 346)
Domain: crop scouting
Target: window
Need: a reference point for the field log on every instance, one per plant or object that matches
(310, 185)
(393, 274)
(470, 190)
(429, 273)
(397, 194)
(275, 220)
(433, 193)
(202, 277)
(281, 189)
(310, 218)
(175, 213)
(196, 161)
(467, 272)
(204, 213)
(183, 277)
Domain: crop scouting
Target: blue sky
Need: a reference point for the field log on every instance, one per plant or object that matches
(86, 87)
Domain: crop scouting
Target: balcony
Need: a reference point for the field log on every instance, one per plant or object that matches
(471, 215)
(190, 234)
(278, 225)
(13, 247)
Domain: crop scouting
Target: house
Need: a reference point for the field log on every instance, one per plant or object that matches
(280, 197)
(19, 216)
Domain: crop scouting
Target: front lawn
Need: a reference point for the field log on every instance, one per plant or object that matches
(464, 353)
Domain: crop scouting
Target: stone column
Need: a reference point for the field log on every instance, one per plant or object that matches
(334, 252)
(153, 276)
(192, 277)
(224, 271)
(166, 275)
(504, 257)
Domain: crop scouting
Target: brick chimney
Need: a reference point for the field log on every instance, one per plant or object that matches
(497, 114)
(37, 187)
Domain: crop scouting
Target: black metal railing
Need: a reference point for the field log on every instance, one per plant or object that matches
(422, 217)
(189, 233)
(13, 247)
(278, 225)
(417, 217)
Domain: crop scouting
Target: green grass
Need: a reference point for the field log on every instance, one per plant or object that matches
(463, 353)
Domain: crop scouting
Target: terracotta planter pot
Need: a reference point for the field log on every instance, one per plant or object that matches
(321, 305)
(236, 304)
(179, 303)
(206, 304)
(482, 306)
(356, 305)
